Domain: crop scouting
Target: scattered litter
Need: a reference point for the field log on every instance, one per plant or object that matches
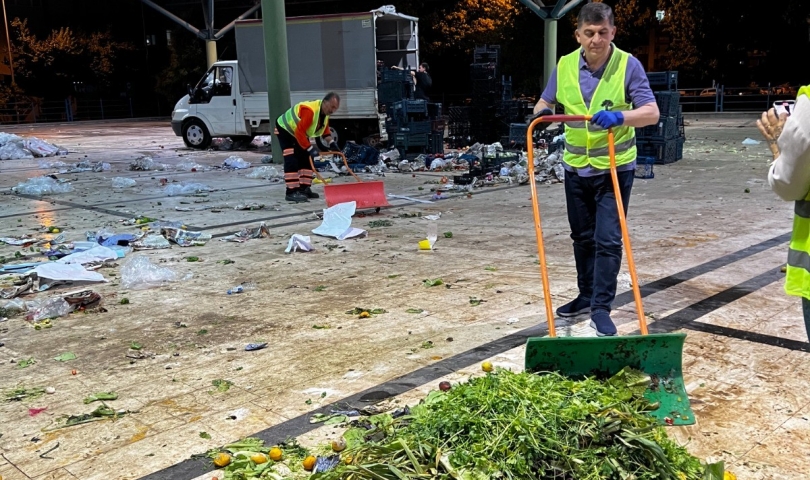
(249, 206)
(624, 281)
(380, 223)
(189, 167)
(299, 242)
(145, 163)
(186, 189)
(433, 283)
(25, 363)
(185, 238)
(432, 217)
(47, 309)
(73, 272)
(750, 141)
(42, 186)
(222, 385)
(247, 233)
(14, 147)
(67, 356)
(264, 172)
(151, 242)
(95, 254)
(267, 159)
(140, 273)
(235, 163)
(100, 397)
(47, 164)
(403, 197)
(123, 182)
(512, 320)
(21, 393)
(337, 222)
(255, 346)
(33, 412)
(46, 452)
(100, 413)
(21, 241)
(242, 288)
(262, 141)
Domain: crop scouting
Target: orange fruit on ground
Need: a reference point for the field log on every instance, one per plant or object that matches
(364, 315)
(339, 444)
(276, 454)
(222, 460)
(258, 458)
(309, 463)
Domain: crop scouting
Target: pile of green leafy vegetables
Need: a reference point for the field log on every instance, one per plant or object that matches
(518, 426)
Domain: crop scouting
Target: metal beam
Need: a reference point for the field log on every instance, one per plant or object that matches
(555, 12)
(568, 7)
(227, 28)
(177, 19)
(210, 18)
(535, 8)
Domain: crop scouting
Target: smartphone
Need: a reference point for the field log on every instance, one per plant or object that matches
(784, 106)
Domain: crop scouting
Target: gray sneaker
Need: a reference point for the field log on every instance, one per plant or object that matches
(296, 197)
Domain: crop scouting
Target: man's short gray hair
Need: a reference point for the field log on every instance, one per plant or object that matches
(329, 96)
(594, 14)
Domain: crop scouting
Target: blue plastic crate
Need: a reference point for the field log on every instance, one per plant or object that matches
(390, 92)
(666, 128)
(664, 151)
(644, 167)
(663, 80)
(668, 103)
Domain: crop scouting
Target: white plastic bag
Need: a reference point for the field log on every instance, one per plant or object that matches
(140, 273)
(186, 189)
(51, 308)
(42, 186)
(68, 272)
(123, 182)
(264, 172)
(236, 162)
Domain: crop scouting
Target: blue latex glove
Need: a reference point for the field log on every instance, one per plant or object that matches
(314, 153)
(606, 119)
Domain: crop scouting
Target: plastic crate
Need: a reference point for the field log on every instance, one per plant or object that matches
(408, 140)
(487, 53)
(681, 127)
(434, 110)
(668, 103)
(436, 142)
(390, 92)
(393, 75)
(517, 133)
(644, 167)
(663, 151)
(406, 108)
(666, 128)
(679, 148)
(413, 127)
(663, 80)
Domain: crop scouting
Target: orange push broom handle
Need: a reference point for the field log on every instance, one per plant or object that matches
(317, 174)
(538, 229)
(642, 320)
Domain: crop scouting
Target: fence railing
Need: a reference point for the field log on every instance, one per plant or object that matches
(72, 110)
(734, 99)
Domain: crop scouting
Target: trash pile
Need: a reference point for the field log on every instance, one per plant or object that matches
(39, 186)
(501, 425)
(83, 166)
(14, 147)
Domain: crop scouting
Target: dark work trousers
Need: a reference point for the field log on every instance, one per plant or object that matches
(596, 232)
(297, 169)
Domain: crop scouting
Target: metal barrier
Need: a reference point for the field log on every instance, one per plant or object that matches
(67, 110)
(734, 99)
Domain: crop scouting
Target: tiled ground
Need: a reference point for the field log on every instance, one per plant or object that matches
(696, 234)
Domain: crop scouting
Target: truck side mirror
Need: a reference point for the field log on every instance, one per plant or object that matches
(190, 90)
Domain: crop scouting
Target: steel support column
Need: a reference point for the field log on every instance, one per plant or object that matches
(549, 49)
(274, 22)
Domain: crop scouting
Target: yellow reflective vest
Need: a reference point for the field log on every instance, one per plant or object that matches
(291, 119)
(798, 265)
(587, 143)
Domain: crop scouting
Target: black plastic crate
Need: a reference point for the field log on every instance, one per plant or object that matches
(668, 103)
(408, 140)
(517, 133)
(679, 148)
(663, 151)
(663, 80)
(393, 75)
(487, 53)
(406, 108)
(666, 128)
(681, 127)
(434, 110)
(390, 92)
(436, 142)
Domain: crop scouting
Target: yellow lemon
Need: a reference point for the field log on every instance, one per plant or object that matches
(729, 476)
(309, 463)
(258, 458)
(486, 366)
(222, 460)
(276, 454)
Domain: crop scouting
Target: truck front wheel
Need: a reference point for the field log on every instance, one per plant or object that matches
(195, 135)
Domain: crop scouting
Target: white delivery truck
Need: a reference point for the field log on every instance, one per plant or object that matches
(343, 53)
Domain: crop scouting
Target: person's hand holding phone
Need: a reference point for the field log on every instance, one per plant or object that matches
(770, 126)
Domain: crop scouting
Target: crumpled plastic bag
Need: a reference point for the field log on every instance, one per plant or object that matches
(189, 166)
(95, 254)
(140, 273)
(50, 308)
(186, 189)
(123, 182)
(42, 186)
(264, 172)
(14, 147)
(299, 242)
(73, 272)
(235, 162)
(750, 141)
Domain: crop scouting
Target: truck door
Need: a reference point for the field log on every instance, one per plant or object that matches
(215, 101)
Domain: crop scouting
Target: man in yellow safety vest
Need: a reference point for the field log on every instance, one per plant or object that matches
(600, 80)
(788, 135)
(294, 129)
